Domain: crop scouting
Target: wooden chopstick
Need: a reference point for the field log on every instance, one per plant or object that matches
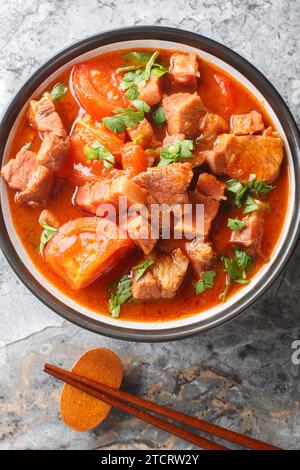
(82, 384)
(136, 402)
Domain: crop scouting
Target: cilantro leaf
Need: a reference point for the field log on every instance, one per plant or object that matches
(250, 205)
(242, 192)
(159, 116)
(174, 152)
(138, 74)
(142, 268)
(235, 224)
(124, 118)
(58, 91)
(98, 151)
(141, 106)
(243, 259)
(141, 57)
(238, 189)
(120, 295)
(206, 282)
(258, 186)
(47, 234)
(132, 93)
(236, 270)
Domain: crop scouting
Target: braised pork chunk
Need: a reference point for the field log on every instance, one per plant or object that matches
(44, 118)
(163, 278)
(200, 255)
(250, 123)
(18, 171)
(183, 112)
(167, 184)
(241, 156)
(184, 68)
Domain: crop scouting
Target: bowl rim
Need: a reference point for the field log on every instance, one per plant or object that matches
(204, 44)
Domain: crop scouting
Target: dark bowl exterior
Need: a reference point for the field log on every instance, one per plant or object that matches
(204, 44)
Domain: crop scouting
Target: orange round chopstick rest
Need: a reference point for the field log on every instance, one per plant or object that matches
(83, 412)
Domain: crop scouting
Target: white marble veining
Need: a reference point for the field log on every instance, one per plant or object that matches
(239, 375)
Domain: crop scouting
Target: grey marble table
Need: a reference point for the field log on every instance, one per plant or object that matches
(239, 375)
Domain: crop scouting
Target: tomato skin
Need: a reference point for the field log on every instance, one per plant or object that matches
(94, 89)
(134, 158)
(227, 91)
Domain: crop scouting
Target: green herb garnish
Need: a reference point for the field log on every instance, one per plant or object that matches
(236, 270)
(206, 282)
(250, 205)
(142, 268)
(47, 234)
(141, 105)
(258, 187)
(121, 294)
(124, 118)
(174, 152)
(238, 189)
(98, 151)
(58, 91)
(159, 116)
(242, 192)
(235, 224)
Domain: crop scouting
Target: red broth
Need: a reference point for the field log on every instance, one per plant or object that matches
(222, 95)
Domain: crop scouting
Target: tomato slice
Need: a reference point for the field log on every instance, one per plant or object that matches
(227, 91)
(84, 249)
(96, 91)
(78, 168)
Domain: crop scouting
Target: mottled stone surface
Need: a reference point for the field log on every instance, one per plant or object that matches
(239, 375)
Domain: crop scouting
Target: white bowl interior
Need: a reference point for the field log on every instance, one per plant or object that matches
(196, 318)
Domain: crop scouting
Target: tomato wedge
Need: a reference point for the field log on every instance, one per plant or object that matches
(78, 168)
(83, 249)
(95, 90)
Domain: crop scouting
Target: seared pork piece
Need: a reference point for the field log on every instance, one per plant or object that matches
(44, 118)
(211, 125)
(241, 156)
(151, 93)
(18, 171)
(184, 68)
(244, 124)
(163, 278)
(171, 139)
(200, 255)
(183, 112)
(125, 187)
(49, 218)
(91, 195)
(53, 151)
(250, 237)
(141, 134)
(38, 189)
(167, 184)
(139, 230)
(210, 186)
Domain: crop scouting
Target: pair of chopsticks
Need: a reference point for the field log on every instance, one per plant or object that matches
(136, 406)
